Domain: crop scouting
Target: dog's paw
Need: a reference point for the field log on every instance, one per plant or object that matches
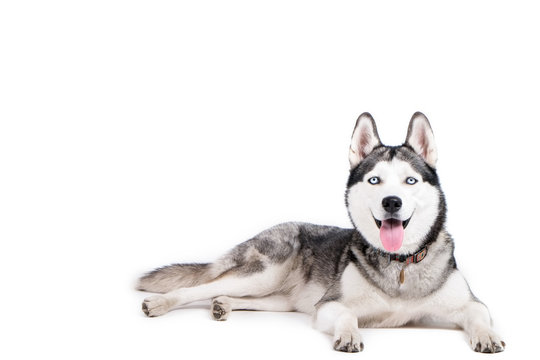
(486, 341)
(221, 308)
(348, 342)
(155, 305)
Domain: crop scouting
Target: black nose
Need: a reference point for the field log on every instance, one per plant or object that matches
(391, 204)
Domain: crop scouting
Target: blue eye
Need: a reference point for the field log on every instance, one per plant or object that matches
(374, 180)
(411, 181)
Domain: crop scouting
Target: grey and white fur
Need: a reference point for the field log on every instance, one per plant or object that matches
(348, 278)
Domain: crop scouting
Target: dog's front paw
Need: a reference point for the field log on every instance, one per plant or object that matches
(155, 305)
(221, 308)
(348, 342)
(486, 341)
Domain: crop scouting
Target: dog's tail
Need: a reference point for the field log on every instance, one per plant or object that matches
(175, 276)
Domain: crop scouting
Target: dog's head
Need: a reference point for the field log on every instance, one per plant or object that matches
(393, 194)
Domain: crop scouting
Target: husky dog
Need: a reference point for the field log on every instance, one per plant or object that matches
(394, 267)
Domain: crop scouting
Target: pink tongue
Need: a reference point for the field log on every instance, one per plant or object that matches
(392, 234)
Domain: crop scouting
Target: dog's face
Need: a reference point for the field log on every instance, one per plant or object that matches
(393, 194)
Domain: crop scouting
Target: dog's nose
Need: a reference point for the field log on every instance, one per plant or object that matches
(391, 204)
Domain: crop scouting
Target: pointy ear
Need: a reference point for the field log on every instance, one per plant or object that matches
(364, 139)
(420, 138)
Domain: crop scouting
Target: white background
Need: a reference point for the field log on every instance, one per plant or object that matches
(135, 134)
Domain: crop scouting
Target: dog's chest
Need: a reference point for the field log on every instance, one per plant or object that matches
(397, 280)
(385, 301)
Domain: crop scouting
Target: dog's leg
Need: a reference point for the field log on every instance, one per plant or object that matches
(223, 305)
(257, 267)
(475, 320)
(337, 319)
(258, 285)
(456, 303)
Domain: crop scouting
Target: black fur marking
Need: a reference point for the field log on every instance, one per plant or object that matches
(322, 248)
(387, 153)
(268, 248)
(406, 153)
(244, 264)
(252, 267)
(357, 174)
(438, 225)
(375, 259)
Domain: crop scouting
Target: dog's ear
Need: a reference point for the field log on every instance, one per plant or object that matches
(364, 139)
(420, 138)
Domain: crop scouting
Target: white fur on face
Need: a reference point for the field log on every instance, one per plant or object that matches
(420, 202)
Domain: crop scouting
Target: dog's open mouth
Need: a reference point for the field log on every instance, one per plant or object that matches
(392, 232)
(404, 223)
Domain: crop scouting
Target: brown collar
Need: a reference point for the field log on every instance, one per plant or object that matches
(415, 258)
